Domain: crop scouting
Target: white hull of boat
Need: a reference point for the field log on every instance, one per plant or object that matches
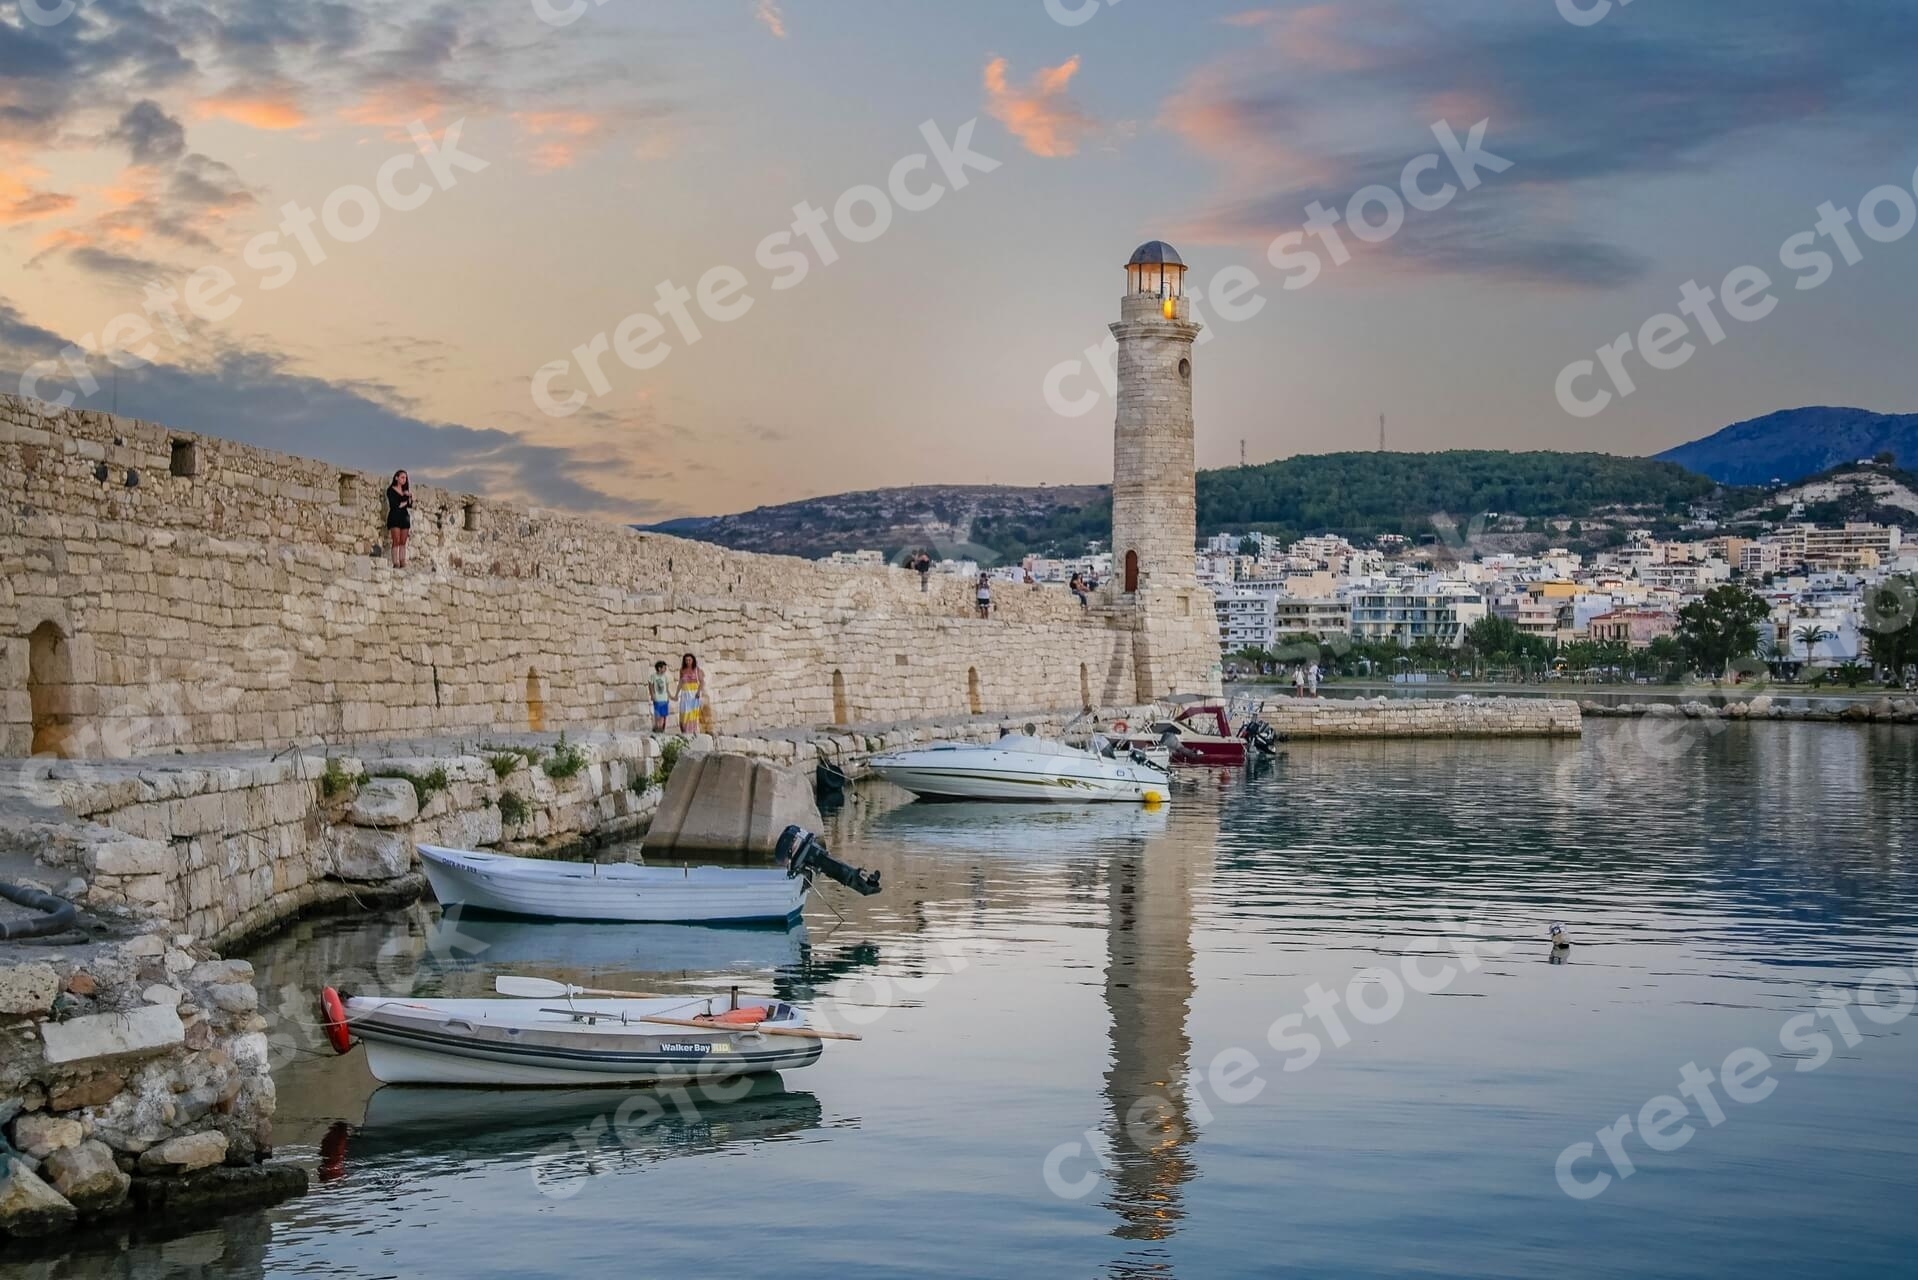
(557, 1042)
(615, 891)
(1012, 772)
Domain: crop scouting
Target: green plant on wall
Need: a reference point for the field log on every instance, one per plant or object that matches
(513, 810)
(335, 780)
(669, 755)
(565, 762)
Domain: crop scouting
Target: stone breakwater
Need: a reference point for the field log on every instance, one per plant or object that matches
(1763, 708)
(1307, 718)
(133, 1075)
(226, 847)
(170, 591)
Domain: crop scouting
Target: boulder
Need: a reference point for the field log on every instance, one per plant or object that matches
(234, 997)
(94, 1092)
(367, 853)
(28, 1206)
(40, 1135)
(87, 1176)
(730, 803)
(28, 988)
(185, 1154)
(384, 802)
(221, 971)
(1759, 706)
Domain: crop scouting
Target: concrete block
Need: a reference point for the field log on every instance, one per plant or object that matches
(730, 803)
(108, 1035)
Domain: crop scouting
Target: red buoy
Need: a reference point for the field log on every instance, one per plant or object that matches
(333, 1018)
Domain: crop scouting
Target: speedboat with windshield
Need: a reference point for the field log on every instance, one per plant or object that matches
(1022, 767)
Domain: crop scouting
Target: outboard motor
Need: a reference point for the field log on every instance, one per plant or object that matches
(804, 855)
(1261, 736)
(1145, 761)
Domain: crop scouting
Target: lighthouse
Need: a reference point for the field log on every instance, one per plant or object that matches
(1154, 502)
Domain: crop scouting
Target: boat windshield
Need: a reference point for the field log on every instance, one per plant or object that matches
(1034, 746)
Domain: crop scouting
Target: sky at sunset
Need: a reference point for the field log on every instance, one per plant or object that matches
(621, 145)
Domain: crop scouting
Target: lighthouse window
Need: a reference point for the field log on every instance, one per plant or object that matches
(1185, 370)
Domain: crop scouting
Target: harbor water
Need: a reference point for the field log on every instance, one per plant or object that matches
(1306, 1018)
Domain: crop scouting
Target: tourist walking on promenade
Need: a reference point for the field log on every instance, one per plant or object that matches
(399, 516)
(692, 686)
(1298, 681)
(660, 686)
(1312, 680)
(923, 564)
(984, 596)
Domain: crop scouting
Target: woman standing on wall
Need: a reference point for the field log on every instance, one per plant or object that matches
(399, 516)
(692, 683)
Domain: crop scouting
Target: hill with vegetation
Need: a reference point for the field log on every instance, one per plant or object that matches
(1530, 499)
(1785, 447)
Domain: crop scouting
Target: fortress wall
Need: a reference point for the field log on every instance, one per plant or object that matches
(167, 591)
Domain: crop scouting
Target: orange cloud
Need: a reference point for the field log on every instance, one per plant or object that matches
(1039, 115)
(563, 135)
(272, 112)
(21, 201)
(771, 16)
(394, 107)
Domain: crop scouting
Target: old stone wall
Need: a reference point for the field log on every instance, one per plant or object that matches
(222, 847)
(167, 591)
(1306, 718)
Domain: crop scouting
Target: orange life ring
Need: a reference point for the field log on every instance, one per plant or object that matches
(333, 1019)
(1120, 726)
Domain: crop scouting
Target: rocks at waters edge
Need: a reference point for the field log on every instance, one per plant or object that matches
(88, 1177)
(371, 854)
(28, 1206)
(185, 1154)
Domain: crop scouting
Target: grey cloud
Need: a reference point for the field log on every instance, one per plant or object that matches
(150, 135)
(254, 397)
(1652, 90)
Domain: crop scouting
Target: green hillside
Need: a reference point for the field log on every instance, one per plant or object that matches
(1362, 495)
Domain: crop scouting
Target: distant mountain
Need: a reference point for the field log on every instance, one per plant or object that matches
(1539, 497)
(1786, 447)
(938, 517)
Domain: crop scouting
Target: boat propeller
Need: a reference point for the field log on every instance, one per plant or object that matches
(804, 854)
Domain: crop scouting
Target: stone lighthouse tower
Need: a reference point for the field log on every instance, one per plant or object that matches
(1154, 508)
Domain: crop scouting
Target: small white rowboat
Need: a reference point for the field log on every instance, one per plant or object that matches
(627, 892)
(564, 1040)
(612, 891)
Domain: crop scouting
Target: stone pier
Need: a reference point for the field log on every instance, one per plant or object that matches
(1307, 718)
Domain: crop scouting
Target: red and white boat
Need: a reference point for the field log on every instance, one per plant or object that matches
(1199, 734)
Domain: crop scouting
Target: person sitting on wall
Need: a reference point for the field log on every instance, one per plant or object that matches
(1078, 588)
(399, 516)
(661, 688)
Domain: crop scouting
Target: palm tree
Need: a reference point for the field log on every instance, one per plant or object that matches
(1811, 636)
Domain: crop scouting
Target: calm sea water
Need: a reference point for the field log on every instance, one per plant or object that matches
(1100, 988)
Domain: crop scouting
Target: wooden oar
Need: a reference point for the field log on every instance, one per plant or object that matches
(543, 988)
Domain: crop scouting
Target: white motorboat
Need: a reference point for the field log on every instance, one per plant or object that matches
(1019, 767)
(568, 1040)
(628, 892)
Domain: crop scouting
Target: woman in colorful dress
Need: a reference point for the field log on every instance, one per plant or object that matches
(692, 683)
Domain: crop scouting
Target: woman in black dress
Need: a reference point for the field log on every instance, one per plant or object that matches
(399, 516)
